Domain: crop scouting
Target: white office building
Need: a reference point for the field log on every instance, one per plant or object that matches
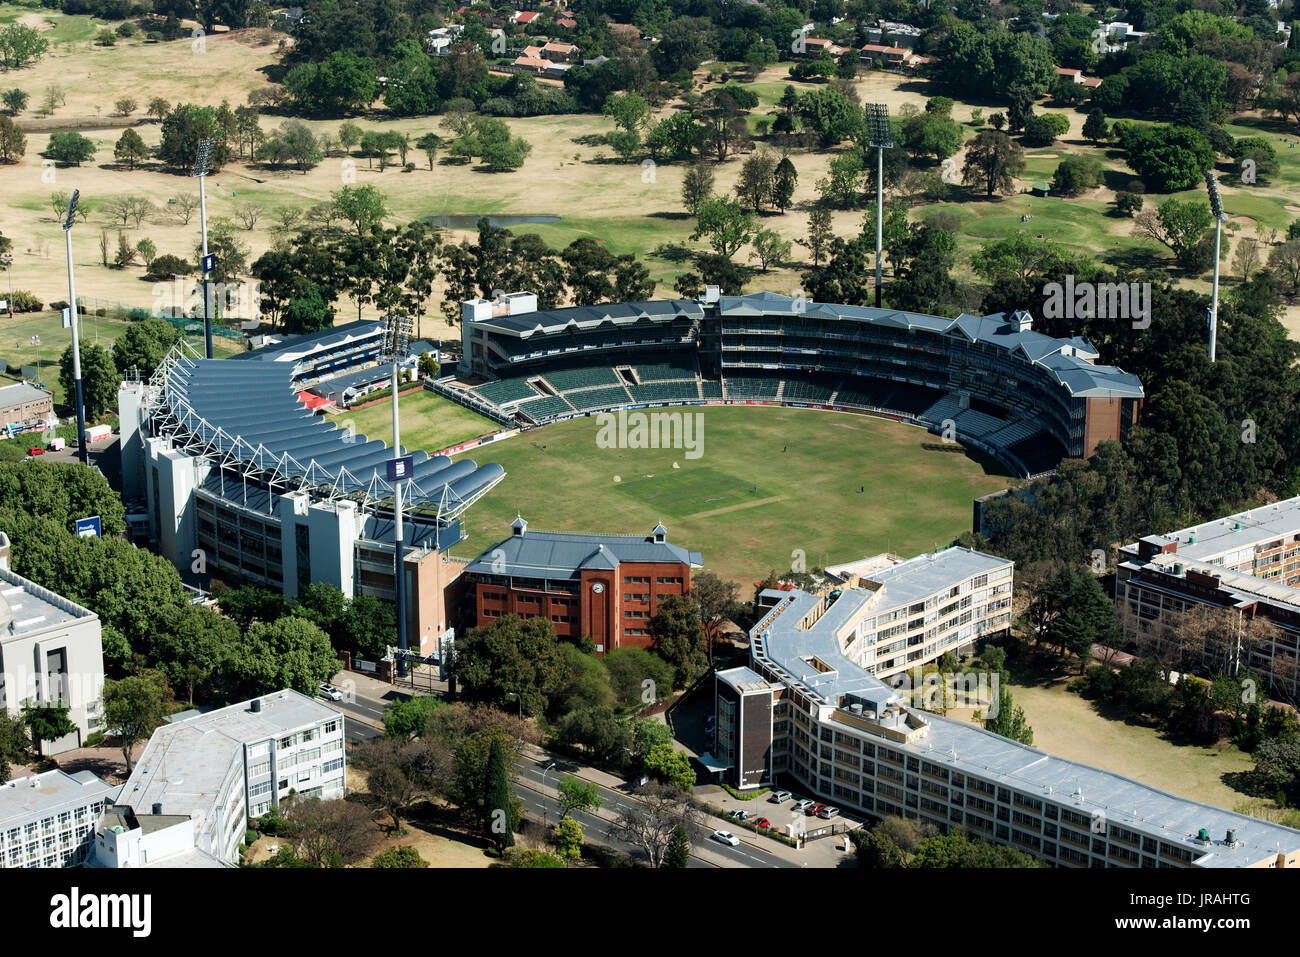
(226, 766)
(48, 820)
(50, 653)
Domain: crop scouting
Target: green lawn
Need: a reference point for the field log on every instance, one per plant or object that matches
(429, 422)
(918, 491)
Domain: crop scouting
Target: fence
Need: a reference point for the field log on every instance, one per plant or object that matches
(90, 306)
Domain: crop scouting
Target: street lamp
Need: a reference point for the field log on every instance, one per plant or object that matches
(68, 222)
(545, 771)
(397, 342)
(1216, 206)
(880, 137)
(202, 162)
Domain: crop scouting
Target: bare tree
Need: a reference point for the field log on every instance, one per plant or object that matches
(649, 822)
(183, 206)
(119, 208)
(331, 833)
(1247, 260)
(248, 214)
(138, 209)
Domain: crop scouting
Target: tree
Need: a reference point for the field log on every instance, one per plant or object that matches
(13, 144)
(343, 83)
(389, 784)
(1284, 260)
(697, 187)
(679, 638)
(757, 176)
(407, 719)
(993, 160)
(1009, 721)
(402, 855)
(125, 105)
(183, 206)
(186, 125)
(1074, 174)
(769, 248)
(99, 379)
(1176, 224)
(819, 234)
(14, 742)
(511, 656)
(15, 100)
(1095, 127)
(158, 108)
(498, 797)
(329, 833)
(48, 721)
(130, 149)
(674, 767)
(1168, 158)
(568, 839)
(349, 135)
(653, 818)
(784, 182)
(576, 795)
(289, 652)
(725, 224)
(142, 345)
(133, 708)
(429, 143)
(1128, 203)
(21, 45)
(70, 149)
(831, 115)
(678, 854)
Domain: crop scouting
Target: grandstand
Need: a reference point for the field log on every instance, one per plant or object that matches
(990, 381)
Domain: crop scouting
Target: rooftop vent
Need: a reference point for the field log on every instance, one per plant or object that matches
(1231, 837)
(256, 706)
(157, 807)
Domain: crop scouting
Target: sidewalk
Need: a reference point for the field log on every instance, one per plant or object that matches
(827, 852)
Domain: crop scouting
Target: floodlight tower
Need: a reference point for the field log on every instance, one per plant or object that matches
(68, 222)
(397, 343)
(202, 163)
(1216, 206)
(880, 138)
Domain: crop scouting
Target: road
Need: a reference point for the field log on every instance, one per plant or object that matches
(360, 717)
(529, 775)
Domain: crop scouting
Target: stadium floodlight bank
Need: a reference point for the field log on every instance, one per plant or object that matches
(811, 711)
(992, 382)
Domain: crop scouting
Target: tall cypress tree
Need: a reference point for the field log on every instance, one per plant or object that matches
(497, 811)
(679, 849)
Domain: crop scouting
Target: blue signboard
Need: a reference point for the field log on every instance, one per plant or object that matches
(88, 527)
(209, 262)
(399, 469)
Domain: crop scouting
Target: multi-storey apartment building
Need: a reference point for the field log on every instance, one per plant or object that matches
(605, 587)
(48, 820)
(228, 765)
(806, 714)
(51, 652)
(1246, 566)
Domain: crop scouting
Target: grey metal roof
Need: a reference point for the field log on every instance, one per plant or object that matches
(33, 608)
(918, 578)
(592, 317)
(1212, 540)
(565, 554)
(293, 348)
(250, 410)
(1066, 360)
(20, 393)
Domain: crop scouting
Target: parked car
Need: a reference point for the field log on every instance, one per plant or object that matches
(780, 797)
(726, 837)
(762, 824)
(330, 692)
(812, 809)
(803, 804)
(37, 450)
(828, 812)
(740, 814)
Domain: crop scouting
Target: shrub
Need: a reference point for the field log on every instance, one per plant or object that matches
(1074, 174)
(401, 856)
(165, 267)
(250, 835)
(1128, 203)
(24, 301)
(94, 739)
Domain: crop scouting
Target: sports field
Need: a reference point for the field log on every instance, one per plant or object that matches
(918, 490)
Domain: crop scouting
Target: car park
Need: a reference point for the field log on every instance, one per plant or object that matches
(780, 797)
(726, 837)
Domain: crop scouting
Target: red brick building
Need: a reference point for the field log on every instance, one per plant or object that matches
(607, 587)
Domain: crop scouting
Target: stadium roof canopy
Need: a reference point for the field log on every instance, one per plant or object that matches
(248, 413)
(1069, 361)
(587, 318)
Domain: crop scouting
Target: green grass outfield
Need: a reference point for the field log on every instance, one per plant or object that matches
(918, 490)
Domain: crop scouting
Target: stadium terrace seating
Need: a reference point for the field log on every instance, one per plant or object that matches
(860, 391)
(977, 424)
(675, 368)
(818, 390)
(544, 408)
(580, 377)
(598, 398)
(913, 399)
(753, 387)
(946, 408)
(506, 390)
(665, 391)
(710, 389)
(1011, 433)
